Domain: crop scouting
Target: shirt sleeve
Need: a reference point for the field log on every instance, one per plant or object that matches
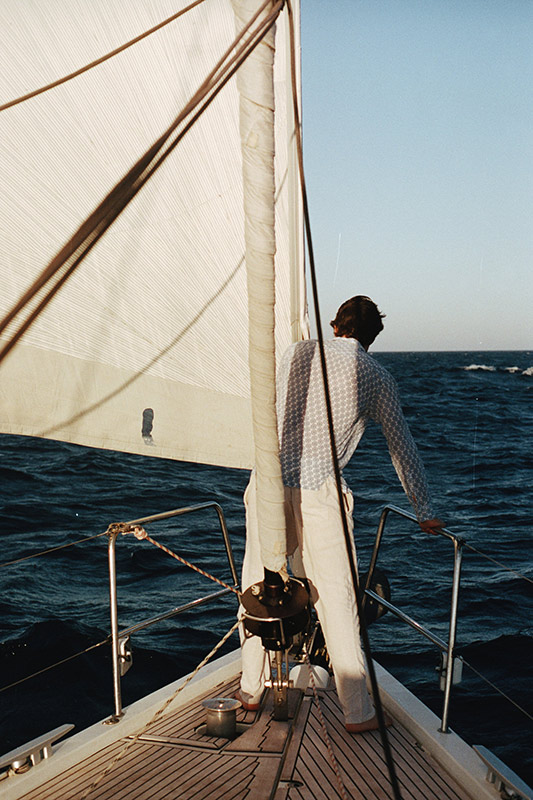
(388, 413)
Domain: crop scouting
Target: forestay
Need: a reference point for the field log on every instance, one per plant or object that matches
(145, 349)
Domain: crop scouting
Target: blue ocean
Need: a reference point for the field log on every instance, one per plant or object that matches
(471, 414)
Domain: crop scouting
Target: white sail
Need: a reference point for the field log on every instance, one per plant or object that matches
(145, 349)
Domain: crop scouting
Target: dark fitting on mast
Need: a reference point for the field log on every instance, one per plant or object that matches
(273, 587)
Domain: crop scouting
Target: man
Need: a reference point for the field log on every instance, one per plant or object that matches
(360, 390)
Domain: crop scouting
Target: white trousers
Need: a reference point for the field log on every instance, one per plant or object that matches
(315, 538)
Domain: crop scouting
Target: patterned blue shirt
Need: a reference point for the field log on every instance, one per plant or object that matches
(360, 389)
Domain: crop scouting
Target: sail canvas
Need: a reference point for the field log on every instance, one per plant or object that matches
(145, 348)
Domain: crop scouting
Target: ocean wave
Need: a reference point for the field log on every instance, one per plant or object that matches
(514, 370)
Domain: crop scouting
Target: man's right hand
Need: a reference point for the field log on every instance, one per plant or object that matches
(432, 526)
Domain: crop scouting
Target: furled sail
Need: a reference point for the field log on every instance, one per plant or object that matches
(256, 90)
(145, 348)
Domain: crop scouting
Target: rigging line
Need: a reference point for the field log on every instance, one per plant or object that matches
(100, 60)
(362, 624)
(116, 201)
(327, 740)
(496, 689)
(141, 534)
(158, 713)
(57, 664)
(495, 561)
(51, 550)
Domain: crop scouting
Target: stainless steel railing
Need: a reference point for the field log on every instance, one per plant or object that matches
(121, 655)
(448, 647)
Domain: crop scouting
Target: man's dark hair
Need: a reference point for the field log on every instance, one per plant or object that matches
(359, 318)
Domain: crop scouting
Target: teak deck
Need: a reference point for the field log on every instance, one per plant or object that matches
(269, 760)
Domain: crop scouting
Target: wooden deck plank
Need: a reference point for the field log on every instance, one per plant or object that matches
(295, 744)
(362, 760)
(240, 790)
(367, 749)
(184, 765)
(362, 765)
(316, 758)
(420, 771)
(202, 743)
(144, 770)
(415, 781)
(182, 786)
(179, 769)
(88, 769)
(361, 775)
(265, 735)
(417, 774)
(218, 783)
(316, 786)
(265, 779)
(413, 765)
(148, 771)
(175, 776)
(442, 780)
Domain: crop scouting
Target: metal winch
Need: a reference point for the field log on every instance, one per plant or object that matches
(276, 610)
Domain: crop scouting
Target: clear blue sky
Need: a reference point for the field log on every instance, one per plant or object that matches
(418, 137)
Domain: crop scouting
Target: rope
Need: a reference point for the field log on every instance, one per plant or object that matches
(99, 60)
(51, 550)
(498, 563)
(363, 627)
(331, 754)
(141, 534)
(159, 712)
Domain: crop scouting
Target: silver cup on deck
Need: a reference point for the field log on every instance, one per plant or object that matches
(221, 717)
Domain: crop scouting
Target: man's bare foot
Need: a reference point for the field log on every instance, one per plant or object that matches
(369, 725)
(245, 705)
